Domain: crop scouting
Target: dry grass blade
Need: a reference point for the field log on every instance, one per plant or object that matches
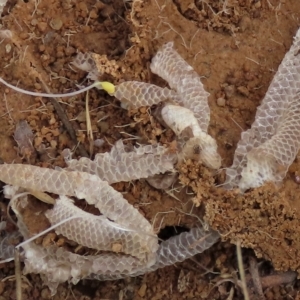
(18, 275)
(89, 124)
(64, 118)
(242, 270)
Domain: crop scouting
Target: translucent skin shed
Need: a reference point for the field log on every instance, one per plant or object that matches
(132, 250)
(268, 148)
(181, 77)
(122, 165)
(185, 104)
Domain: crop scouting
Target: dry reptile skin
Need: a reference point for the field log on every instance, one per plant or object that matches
(181, 77)
(265, 151)
(162, 181)
(122, 165)
(200, 143)
(129, 250)
(7, 244)
(85, 62)
(195, 113)
(97, 232)
(24, 136)
(188, 91)
(134, 94)
(77, 184)
(56, 265)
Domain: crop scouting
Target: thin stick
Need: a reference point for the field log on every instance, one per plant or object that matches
(64, 118)
(18, 275)
(253, 268)
(50, 95)
(45, 231)
(89, 124)
(241, 270)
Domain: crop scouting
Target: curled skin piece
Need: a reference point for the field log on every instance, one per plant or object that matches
(275, 131)
(85, 62)
(97, 232)
(176, 249)
(7, 244)
(120, 164)
(189, 93)
(200, 145)
(170, 66)
(77, 184)
(57, 265)
(271, 160)
(171, 114)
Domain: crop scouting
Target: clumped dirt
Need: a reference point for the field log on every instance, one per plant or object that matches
(236, 47)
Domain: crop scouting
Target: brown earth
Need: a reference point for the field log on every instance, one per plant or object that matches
(236, 46)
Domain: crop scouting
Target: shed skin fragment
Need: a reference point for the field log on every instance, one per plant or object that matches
(275, 133)
(182, 78)
(121, 164)
(186, 90)
(134, 94)
(57, 265)
(24, 136)
(139, 251)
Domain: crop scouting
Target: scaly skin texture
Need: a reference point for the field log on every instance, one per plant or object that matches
(97, 232)
(122, 165)
(200, 144)
(130, 249)
(275, 131)
(76, 184)
(191, 113)
(134, 94)
(181, 77)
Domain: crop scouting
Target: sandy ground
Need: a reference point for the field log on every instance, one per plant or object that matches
(236, 47)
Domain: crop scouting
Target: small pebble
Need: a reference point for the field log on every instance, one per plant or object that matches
(103, 126)
(99, 143)
(52, 120)
(42, 26)
(221, 102)
(56, 24)
(8, 48)
(257, 4)
(142, 290)
(243, 90)
(297, 179)
(45, 294)
(53, 143)
(34, 22)
(23, 35)
(42, 48)
(93, 14)
(229, 91)
(245, 23)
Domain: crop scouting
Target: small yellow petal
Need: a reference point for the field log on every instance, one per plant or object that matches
(108, 87)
